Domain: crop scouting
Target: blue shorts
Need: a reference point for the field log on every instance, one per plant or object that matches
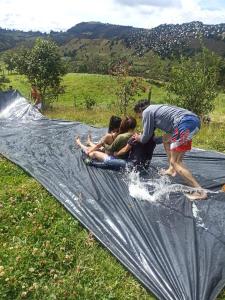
(115, 163)
(181, 140)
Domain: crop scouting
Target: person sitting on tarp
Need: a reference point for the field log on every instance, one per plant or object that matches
(180, 125)
(36, 96)
(113, 131)
(139, 155)
(126, 130)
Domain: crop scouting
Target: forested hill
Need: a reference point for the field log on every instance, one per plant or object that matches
(165, 40)
(12, 38)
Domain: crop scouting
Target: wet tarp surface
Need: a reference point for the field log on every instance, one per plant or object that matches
(175, 247)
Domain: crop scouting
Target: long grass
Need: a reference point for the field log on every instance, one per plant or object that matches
(44, 252)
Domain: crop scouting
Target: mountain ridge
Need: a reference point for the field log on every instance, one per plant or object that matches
(165, 39)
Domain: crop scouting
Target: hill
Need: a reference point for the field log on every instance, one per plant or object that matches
(165, 40)
(13, 38)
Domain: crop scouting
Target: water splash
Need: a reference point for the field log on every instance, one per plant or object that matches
(149, 190)
(197, 215)
(153, 189)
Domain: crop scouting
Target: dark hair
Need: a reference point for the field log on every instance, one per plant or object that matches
(127, 124)
(141, 105)
(114, 123)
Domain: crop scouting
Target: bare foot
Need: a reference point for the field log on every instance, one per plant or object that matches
(199, 195)
(77, 141)
(170, 172)
(89, 140)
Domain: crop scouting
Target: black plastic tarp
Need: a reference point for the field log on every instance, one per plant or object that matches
(175, 247)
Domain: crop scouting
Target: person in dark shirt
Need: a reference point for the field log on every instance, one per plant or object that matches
(138, 154)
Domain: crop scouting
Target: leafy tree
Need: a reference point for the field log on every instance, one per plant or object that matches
(3, 81)
(222, 73)
(150, 66)
(127, 87)
(9, 61)
(43, 67)
(193, 83)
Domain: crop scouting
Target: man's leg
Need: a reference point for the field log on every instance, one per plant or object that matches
(182, 170)
(166, 143)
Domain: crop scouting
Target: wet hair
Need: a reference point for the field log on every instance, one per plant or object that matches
(127, 124)
(114, 123)
(141, 105)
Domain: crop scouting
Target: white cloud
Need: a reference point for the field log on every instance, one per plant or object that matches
(158, 3)
(46, 15)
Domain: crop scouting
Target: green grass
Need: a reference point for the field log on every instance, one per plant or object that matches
(218, 114)
(44, 252)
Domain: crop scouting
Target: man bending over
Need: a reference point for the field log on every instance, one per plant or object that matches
(180, 126)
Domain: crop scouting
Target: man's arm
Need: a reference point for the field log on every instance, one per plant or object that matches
(148, 127)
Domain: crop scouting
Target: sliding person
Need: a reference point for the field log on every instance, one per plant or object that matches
(180, 126)
(126, 130)
(113, 131)
(36, 96)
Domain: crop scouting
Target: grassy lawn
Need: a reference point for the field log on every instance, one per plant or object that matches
(44, 252)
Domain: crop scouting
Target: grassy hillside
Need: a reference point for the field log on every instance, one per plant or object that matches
(101, 88)
(46, 254)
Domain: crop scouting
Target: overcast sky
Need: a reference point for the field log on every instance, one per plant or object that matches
(46, 15)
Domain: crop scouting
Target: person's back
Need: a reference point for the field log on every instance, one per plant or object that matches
(165, 117)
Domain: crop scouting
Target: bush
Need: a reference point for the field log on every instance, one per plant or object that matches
(89, 102)
(193, 83)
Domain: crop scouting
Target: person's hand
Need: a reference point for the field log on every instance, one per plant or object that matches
(115, 153)
(137, 137)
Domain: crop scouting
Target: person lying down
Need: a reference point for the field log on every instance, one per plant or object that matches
(123, 150)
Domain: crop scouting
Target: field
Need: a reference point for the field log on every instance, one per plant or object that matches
(46, 254)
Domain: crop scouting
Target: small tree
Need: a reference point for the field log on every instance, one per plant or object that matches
(44, 68)
(9, 60)
(193, 82)
(127, 88)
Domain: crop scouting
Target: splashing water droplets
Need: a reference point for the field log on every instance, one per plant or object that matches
(149, 190)
(153, 190)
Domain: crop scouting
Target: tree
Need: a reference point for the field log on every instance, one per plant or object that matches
(9, 60)
(43, 67)
(222, 73)
(193, 83)
(127, 87)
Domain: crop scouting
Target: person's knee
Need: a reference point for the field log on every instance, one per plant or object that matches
(107, 139)
(92, 154)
